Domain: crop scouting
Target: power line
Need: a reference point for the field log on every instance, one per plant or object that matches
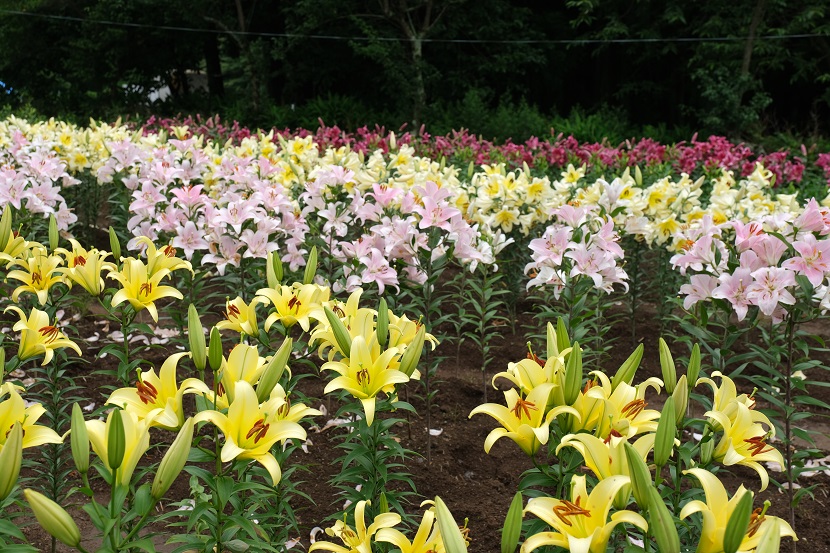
(401, 39)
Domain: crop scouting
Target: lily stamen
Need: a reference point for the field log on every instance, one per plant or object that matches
(169, 251)
(79, 260)
(523, 406)
(363, 377)
(755, 522)
(567, 509)
(258, 430)
(37, 278)
(146, 289)
(49, 333)
(232, 312)
(147, 393)
(758, 445)
(294, 302)
(633, 408)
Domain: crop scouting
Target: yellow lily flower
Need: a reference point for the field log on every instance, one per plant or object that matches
(427, 538)
(240, 316)
(292, 412)
(136, 442)
(251, 429)
(15, 248)
(526, 422)
(358, 540)
(140, 288)
(607, 458)
(38, 336)
(158, 398)
(581, 524)
(725, 398)
(744, 442)
(295, 304)
(402, 332)
(718, 509)
(84, 267)
(242, 364)
(40, 274)
(164, 259)
(365, 376)
(624, 407)
(13, 409)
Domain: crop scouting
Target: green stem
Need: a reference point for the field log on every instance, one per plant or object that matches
(788, 412)
(140, 523)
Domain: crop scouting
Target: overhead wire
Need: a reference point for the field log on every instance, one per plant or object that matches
(174, 28)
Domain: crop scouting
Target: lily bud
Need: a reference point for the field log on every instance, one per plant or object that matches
(383, 324)
(470, 170)
(667, 367)
(53, 518)
(310, 266)
(196, 338)
(454, 542)
(412, 354)
(173, 461)
(273, 372)
(640, 476)
(681, 399)
(661, 523)
(666, 429)
(215, 349)
(707, 448)
(341, 335)
(552, 349)
(694, 366)
(573, 374)
(11, 457)
(5, 226)
(116, 441)
(392, 143)
(512, 525)
(79, 440)
(638, 176)
(627, 370)
(770, 539)
(563, 342)
(115, 246)
(273, 270)
(53, 232)
(2, 360)
(384, 504)
(738, 524)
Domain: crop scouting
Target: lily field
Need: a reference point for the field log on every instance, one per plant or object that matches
(214, 339)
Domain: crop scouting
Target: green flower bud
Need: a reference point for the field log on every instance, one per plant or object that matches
(628, 369)
(5, 226)
(563, 341)
(707, 448)
(383, 324)
(274, 370)
(512, 525)
(640, 476)
(115, 246)
(770, 539)
(661, 523)
(738, 524)
(341, 335)
(454, 542)
(2, 360)
(694, 366)
(638, 176)
(274, 270)
(681, 399)
(470, 170)
(573, 374)
(79, 440)
(11, 457)
(116, 441)
(412, 354)
(552, 350)
(666, 429)
(53, 232)
(173, 461)
(384, 504)
(215, 349)
(196, 338)
(310, 266)
(667, 367)
(53, 518)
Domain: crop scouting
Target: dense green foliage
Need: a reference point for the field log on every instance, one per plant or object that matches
(503, 68)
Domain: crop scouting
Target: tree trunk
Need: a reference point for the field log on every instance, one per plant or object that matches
(420, 91)
(213, 65)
